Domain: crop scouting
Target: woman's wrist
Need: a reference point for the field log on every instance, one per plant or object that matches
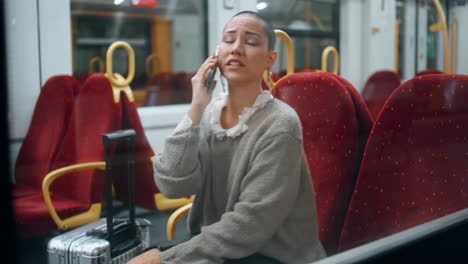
(195, 112)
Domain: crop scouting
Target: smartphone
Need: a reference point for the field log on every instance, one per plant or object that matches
(211, 75)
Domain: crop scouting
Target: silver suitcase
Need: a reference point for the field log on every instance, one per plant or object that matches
(79, 246)
(109, 240)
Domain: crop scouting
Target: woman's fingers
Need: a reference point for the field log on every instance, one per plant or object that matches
(209, 63)
(201, 94)
(202, 75)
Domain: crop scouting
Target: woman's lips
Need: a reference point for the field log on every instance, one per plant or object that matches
(234, 64)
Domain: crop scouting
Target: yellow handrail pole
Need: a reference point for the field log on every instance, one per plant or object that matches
(100, 62)
(119, 83)
(94, 211)
(175, 218)
(149, 66)
(289, 47)
(131, 63)
(336, 62)
(397, 46)
(453, 48)
(442, 25)
(310, 17)
(290, 60)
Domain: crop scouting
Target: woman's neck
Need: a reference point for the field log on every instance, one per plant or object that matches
(240, 96)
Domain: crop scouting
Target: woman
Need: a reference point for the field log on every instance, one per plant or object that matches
(241, 154)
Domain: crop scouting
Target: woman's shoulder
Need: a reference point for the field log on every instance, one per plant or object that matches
(278, 117)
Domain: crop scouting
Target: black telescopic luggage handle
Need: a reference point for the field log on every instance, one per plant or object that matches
(109, 139)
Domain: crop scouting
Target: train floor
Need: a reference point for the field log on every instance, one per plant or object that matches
(34, 250)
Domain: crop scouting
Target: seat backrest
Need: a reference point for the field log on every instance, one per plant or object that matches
(160, 89)
(414, 167)
(183, 88)
(429, 71)
(49, 123)
(95, 113)
(144, 175)
(364, 119)
(81, 77)
(330, 131)
(378, 88)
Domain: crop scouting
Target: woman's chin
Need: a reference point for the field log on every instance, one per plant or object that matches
(234, 77)
(239, 77)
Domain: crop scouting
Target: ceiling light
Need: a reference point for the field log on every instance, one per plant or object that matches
(261, 5)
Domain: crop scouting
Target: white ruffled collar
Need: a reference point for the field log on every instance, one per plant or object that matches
(241, 127)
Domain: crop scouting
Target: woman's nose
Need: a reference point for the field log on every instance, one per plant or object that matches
(237, 47)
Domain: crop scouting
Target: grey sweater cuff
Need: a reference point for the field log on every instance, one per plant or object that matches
(177, 168)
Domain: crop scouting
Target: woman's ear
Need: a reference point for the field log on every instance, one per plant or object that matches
(271, 58)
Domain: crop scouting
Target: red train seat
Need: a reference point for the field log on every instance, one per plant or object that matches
(364, 117)
(78, 192)
(378, 88)
(330, 131)
(365, 121)
(183, 88)
(49, 122)
(414, 167)
(160, 89)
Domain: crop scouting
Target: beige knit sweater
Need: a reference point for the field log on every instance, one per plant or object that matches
(253, 192)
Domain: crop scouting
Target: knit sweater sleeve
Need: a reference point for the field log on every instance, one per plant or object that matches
(268, 192)
(178, 168)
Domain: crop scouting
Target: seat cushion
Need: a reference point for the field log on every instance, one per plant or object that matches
(33, 219)
(23, 190)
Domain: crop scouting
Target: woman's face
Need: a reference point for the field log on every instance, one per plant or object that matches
(243, 51)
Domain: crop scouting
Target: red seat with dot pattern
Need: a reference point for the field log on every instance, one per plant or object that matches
(330, 131)
(365, 121)
(415, 165)
(378, 88)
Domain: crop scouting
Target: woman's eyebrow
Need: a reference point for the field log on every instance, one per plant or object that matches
(247, 33)
(254, 34)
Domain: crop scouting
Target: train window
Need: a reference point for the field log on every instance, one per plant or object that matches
(312, 25)
(420, 134)
(168, 38)
(422, 44)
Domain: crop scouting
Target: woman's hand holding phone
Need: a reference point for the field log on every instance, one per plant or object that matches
(201, 89)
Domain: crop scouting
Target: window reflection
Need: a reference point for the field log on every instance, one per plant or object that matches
(168, 38)
(313, 25)
(170, 42)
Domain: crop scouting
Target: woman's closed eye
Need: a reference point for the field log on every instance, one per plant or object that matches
(249, 41)
(228, 39)
(252, 42)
